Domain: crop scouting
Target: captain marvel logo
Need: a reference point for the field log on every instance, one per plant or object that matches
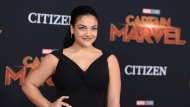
(150, 29)
(29, 64)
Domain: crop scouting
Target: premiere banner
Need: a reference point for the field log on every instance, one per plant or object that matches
(149, 38)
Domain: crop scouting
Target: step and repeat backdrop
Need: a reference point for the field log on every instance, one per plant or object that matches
(149, 37)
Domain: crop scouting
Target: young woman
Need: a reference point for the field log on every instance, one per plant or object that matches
(83, 75)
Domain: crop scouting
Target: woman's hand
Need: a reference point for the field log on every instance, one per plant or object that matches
(59, 102)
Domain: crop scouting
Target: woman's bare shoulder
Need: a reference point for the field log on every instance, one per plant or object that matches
(49, 58)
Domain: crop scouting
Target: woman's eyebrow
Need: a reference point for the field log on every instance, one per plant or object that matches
(81, 25)
(85, 26)
(95, 26)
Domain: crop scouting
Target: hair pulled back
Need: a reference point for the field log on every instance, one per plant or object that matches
(75, 14)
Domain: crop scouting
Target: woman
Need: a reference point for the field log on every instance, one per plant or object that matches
(83, 75)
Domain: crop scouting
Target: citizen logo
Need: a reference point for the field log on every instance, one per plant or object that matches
(52, 19)
(146, 70)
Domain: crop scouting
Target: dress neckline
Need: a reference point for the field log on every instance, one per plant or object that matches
(73, 62)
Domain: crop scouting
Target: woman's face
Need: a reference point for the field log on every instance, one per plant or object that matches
(85, 30)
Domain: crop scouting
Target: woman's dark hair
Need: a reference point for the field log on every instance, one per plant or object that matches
(75, 14)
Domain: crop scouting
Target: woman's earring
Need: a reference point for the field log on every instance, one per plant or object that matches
(71, 35)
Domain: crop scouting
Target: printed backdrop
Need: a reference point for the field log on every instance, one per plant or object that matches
(149, 37)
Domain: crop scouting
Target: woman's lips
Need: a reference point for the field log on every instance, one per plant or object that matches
(87, 39)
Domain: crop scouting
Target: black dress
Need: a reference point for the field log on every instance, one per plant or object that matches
(85, 89)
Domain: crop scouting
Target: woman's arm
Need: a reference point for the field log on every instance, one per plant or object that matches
(36, 78)
(114, 87)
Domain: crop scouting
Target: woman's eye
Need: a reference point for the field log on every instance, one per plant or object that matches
(94, 28)
(81, 28)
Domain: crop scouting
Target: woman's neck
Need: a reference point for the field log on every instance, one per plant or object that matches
(81, 49)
